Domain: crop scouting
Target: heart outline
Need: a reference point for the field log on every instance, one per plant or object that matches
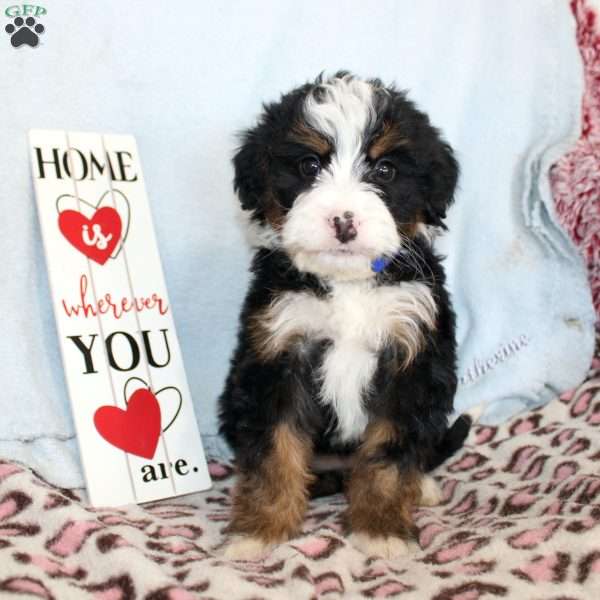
(146, 386)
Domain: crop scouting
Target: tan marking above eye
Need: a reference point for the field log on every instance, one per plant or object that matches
(390, 137)
(310, 138)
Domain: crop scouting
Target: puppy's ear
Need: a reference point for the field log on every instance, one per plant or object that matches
(442, 178)
(251, 165)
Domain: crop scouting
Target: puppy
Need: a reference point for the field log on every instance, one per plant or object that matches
(346, 345)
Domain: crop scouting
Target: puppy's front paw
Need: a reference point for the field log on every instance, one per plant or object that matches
(431, 494)
(246, 548)
(386, 547)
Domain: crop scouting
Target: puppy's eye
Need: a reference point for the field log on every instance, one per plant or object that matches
(384, 171)
(310, 166)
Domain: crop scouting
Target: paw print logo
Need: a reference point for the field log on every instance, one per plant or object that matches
(24, 32)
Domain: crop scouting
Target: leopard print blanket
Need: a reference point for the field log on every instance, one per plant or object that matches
(519, 519)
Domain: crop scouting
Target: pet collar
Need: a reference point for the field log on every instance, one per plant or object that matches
(380, 263)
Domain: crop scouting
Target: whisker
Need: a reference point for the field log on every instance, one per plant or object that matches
(412, 257)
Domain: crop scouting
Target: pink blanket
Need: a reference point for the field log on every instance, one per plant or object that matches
(520, 519)
(576, 177)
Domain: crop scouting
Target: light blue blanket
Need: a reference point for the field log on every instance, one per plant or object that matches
(502, 79)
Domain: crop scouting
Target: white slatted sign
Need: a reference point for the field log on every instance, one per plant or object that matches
(135, 422)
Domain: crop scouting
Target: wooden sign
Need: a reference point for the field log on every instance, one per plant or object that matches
(133, 413)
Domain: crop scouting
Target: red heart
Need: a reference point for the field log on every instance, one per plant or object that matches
(78, 229)
(135, 430)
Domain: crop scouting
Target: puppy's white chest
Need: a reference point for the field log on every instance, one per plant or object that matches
(351, 359)
(351, 312)
(358, 318)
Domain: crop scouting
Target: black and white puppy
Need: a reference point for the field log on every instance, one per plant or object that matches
(346, 344)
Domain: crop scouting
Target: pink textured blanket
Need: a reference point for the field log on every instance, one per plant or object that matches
(520, 519)
(576, 177)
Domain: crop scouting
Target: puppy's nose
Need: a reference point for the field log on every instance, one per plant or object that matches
(345, 230)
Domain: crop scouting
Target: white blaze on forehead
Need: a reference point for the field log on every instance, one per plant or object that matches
(342, 109)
